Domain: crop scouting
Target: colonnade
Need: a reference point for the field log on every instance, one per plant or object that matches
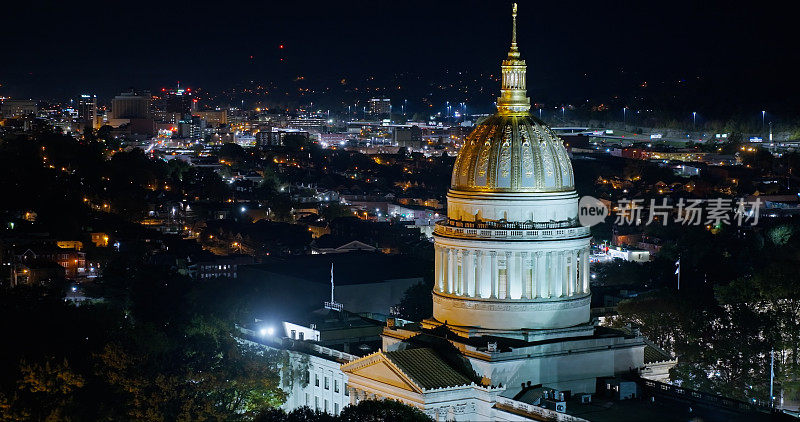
(505, 274)
(514, 79)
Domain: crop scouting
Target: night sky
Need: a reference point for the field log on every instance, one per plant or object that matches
(728, 52)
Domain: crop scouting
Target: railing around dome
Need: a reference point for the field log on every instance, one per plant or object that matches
(511, 225)
(509, 231)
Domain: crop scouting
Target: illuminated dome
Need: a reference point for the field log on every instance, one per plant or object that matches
(511, 258)
(513, 152)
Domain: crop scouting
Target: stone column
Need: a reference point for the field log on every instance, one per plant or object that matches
(573, 273)
(586, 271)
(451, 273)
(437, 256)
(468, 269)
(563, 276)
(445, 270)
(526, 276)
(502, 287)
(541, 274)
(558, 274)
(509, 274)
(493, 274)
(458, 272)
(476, 272)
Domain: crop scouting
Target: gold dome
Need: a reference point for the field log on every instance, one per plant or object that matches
(513, 151)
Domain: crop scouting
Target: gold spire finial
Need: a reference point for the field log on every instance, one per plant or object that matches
(513, 98)
(514, 25)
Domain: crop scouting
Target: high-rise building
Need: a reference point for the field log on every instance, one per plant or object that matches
(380, 107)
(131, 105)
(511, 289)
(87, 111)
(215, 118)
(173, 104)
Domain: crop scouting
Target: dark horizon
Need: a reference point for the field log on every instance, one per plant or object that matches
(717, 57)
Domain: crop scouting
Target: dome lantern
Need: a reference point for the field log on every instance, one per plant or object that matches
(513, 99)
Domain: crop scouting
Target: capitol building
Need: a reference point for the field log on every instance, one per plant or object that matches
(511, 298)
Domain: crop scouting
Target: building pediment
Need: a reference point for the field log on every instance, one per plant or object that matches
(379, 368)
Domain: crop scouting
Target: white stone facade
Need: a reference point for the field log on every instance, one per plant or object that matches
(327, 388)
(527, 270)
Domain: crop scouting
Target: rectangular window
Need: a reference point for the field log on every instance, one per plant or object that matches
(307, 402)
(326, 405)
(335, 386)
(316, 380)
(336, 408)
(316, 402)
(327, 386)
(346, 391)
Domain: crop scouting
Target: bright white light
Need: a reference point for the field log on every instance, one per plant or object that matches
(270, 331)
(243, 209)
(74, 289)
(263, 332)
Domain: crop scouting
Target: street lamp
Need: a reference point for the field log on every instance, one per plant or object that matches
(624, 114)
(763, 114)
(694, 118)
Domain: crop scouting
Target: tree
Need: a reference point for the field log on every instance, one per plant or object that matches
(335, 210)
(381, 411)
(232, 152)
(416, 303)
(297, 142)
(364, 411)
(45, 391)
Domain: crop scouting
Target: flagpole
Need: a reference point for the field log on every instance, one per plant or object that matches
(771, 376)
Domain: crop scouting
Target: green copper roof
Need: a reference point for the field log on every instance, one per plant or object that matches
(427, 369)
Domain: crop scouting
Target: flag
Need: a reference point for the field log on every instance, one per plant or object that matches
(678, 266)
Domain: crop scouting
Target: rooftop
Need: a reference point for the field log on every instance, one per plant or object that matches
(427, 369)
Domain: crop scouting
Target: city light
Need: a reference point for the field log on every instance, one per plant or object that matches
(526, 267)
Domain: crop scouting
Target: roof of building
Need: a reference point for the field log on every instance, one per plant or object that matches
(504, 344)
(427, 369)
(654, 354)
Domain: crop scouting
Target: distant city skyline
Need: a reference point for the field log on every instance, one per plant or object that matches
(730, 59)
